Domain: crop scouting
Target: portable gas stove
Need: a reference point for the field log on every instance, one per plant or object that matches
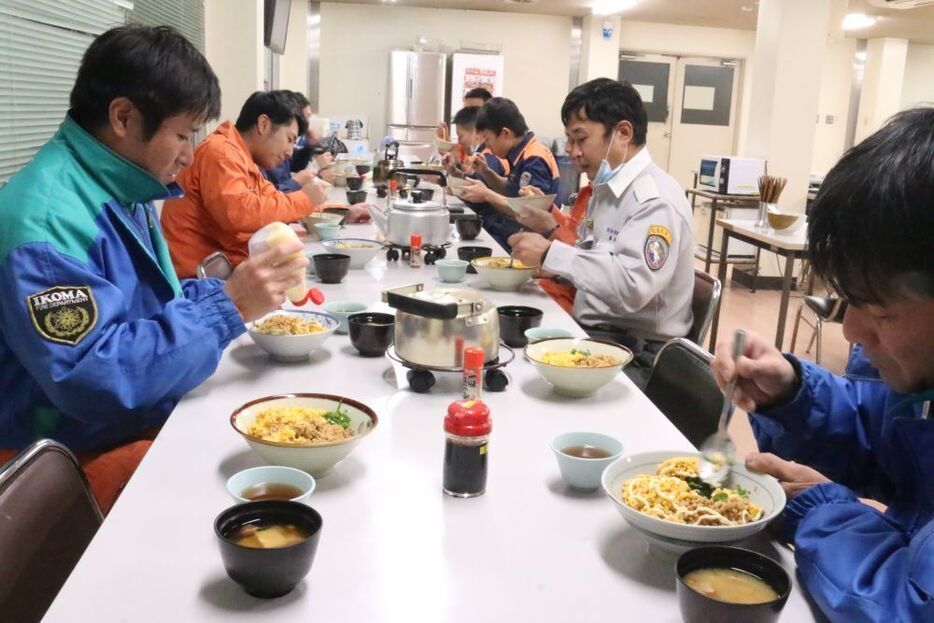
(421, 378)
(431, 252)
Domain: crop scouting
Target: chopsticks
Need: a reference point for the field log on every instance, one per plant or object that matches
(770, 188)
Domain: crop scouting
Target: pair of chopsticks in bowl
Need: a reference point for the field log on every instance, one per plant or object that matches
(770, 188)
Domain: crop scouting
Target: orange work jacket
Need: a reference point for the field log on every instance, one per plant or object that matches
(563, 293)
(226, 201)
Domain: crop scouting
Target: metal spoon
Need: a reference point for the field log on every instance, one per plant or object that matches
(717, 451)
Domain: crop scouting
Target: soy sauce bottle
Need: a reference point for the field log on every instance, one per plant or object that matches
(467, 428)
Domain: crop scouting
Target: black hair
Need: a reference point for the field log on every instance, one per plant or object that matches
(301, 101)
(479, 93)
(157, 69)
(871, 226)
(608, 102)
(499, 113)
(279, 106)
(467, 116)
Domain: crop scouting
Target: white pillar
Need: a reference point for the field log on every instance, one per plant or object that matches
(599, 55)
(233, 42)
(293, 66)
(881, 96)
(791, 38)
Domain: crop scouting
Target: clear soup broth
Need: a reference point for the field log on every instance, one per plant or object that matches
(730, 585)
(586, 452)
(270, 491)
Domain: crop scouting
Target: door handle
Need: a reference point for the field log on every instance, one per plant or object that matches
(667, 133)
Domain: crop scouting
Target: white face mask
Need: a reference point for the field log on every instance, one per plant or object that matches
(605, 173)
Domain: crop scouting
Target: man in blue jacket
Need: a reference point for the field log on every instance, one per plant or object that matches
(832, 439)
(98, 338)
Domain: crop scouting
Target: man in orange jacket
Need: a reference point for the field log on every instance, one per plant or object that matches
(227, 199)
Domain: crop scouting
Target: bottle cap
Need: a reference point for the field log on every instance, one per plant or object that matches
(473, 357)
(415, 241)
(393, 184)
(468, 418)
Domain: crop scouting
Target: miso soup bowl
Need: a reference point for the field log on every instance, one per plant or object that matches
(273, 572)
(699, 608)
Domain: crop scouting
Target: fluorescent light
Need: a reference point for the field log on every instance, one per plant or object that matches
(855, 21)
(609, 7)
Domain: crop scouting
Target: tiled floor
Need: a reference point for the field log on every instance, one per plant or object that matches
(759, 312)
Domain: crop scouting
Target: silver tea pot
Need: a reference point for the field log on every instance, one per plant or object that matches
(428, 219)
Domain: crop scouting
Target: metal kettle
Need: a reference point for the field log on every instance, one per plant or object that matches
(382, 169)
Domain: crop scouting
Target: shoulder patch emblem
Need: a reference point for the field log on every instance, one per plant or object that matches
(64, 314)
(657, 247)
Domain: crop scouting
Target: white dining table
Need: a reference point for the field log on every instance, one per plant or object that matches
(393, 547)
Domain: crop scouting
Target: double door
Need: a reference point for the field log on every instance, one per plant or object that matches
(691, 105)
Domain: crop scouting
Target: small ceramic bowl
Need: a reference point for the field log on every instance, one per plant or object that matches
(339, 212)
(240, 483)
(582, 457)
(331, 267)
(536, 334)
(356, 196)
(469, 253)
(452, 271)
(514, 320)
(468, 228)
(354, 183)
(273, 572)
(341, 310)
(327, 231)
(371, 333)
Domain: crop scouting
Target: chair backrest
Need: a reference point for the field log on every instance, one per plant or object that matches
(216, 265)
(48, 516)
(682, 386)
(703, 305)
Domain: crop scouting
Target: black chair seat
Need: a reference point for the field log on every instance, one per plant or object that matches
(682, 386)
(827, 308)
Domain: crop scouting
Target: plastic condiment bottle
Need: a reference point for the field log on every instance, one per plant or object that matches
(276, 234)
(467, 429)
(473, 372)
(415, 251)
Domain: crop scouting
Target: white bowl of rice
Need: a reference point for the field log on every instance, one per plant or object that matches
(659, 496)
(577, 367)
(502, 273)
(292, 335)
(311, 432)
(360, 250)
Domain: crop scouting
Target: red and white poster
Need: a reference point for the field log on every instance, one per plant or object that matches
(469, 71)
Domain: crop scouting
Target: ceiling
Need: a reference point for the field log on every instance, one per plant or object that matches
(914, 24)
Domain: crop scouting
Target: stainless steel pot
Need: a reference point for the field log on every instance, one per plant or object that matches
(434, 326)
(390, 161)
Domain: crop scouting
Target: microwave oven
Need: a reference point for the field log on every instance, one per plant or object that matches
(730, 175)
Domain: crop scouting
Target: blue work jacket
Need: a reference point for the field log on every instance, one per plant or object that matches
(858, 563)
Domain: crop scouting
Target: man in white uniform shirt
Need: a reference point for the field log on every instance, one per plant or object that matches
(632, 264)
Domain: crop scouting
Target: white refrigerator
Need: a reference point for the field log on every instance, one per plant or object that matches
(416, 99)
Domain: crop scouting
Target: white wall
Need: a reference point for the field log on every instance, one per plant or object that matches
(356, 40)
(599, 56)
(293, 65)
(881, 96)
(918, 87)
(233, 42)
(836, 84)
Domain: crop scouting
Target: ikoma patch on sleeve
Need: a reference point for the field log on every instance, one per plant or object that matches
(657, 246)
(64, 314)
